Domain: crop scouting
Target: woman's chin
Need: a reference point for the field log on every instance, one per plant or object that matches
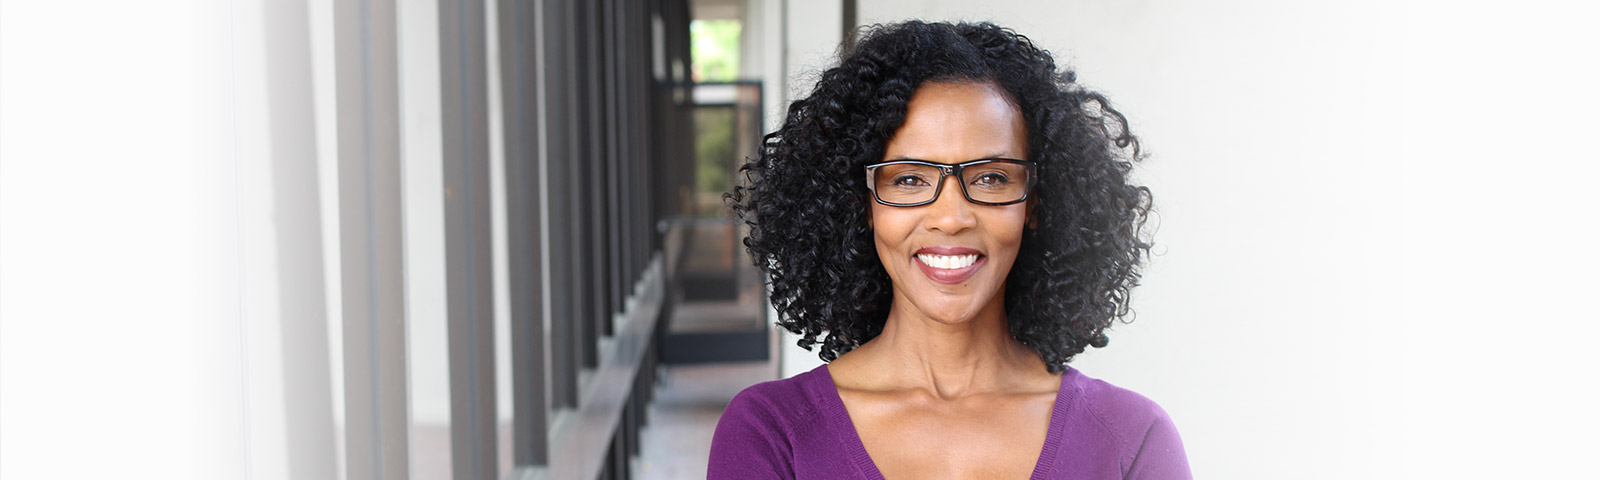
(955, 313)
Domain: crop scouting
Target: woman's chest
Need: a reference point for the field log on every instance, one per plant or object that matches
(974, 438)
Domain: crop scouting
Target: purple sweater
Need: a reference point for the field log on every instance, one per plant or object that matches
(797, 428)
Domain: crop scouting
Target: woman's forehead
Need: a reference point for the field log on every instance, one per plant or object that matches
(957, 122)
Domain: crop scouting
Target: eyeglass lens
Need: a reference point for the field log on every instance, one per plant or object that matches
(988, 182)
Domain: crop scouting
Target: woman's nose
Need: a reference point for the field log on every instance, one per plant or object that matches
(951, 212)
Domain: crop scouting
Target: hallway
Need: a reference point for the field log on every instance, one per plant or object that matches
(688, 401)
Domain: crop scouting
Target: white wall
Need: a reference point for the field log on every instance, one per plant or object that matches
(761, 56)
(124, 310)
(1372, 240)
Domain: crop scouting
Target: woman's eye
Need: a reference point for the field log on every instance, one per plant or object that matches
(991, 179)
(909, 181)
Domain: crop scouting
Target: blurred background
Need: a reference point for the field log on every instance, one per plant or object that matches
(474, 239)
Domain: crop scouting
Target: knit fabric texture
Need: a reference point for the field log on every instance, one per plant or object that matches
(797, 428)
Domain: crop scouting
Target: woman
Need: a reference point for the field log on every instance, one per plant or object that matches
(950, 217)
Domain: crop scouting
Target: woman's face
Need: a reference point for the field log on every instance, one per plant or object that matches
(949, 259)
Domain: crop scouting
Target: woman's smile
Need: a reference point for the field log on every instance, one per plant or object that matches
(949, 265)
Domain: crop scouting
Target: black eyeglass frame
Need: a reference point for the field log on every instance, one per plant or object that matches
(947, 170)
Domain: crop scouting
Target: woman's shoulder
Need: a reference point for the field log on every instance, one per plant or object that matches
(767, 424)
(793, 396)
(1144, 439)
(1109, 403)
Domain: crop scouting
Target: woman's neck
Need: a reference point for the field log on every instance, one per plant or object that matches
(947, 360)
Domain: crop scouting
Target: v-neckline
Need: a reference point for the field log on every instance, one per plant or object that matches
(833, 411)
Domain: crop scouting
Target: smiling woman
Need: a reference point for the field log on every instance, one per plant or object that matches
(994, 236)
(948, 258)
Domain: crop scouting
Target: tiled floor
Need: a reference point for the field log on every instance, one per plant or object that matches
(690, 398)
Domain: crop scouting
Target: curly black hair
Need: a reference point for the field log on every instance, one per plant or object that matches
(805, 201)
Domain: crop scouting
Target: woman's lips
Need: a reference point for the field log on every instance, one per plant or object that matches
(949, 265)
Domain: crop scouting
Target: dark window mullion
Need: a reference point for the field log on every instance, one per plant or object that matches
(519, 56)
(641, 110)
(627, 107)
(613, 163)
(565, 212)
(469, 280)
(590, 162)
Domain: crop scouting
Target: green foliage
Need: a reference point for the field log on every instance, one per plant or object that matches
(714, 158)
(714, 50)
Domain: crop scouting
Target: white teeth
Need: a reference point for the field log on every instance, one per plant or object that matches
(948, 262)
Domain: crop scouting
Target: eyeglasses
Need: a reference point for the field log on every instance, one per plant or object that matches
(989, 181)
